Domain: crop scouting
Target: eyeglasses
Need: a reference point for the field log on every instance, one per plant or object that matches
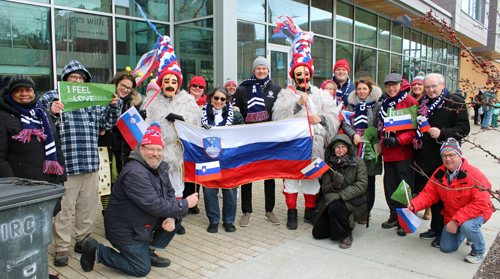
(432, 86)
(222, 99)
(77, 77)
(200, 86)
(153, 150)
(123, 86)
(341, 147)
(451, 156)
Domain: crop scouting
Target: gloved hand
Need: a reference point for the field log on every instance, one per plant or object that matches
(207, 126)
(391, 141)
(332, 197)
(143, 114)
(172, 117)
(338, 179)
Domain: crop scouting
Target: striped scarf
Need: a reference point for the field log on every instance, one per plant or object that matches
(208, 116)
(256, 108)
(360, 120)
(427, 109)
(386, 103)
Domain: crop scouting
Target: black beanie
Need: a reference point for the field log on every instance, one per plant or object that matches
(21, 80)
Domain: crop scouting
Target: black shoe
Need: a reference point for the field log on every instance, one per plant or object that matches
(390, 224)
(88, 254)
(181, 230)
(436, 242)
(291, 222)
(430, 234)
(401, 231)
(158, 261)
(194, 210)
(310, 216)
(229, 227)
(79, 245)
(213, 228)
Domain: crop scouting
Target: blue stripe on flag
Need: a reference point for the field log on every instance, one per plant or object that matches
(315, 169)
(207, 171)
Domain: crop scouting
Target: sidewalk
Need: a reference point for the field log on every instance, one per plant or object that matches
(265, 251)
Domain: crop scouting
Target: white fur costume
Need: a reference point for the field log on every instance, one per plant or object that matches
(320, 103)
(182, 104)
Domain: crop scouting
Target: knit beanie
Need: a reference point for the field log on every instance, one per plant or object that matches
(21, 80)
(452, 144)
(198, 80)
(261, 61)
(417, 80)
(152, 86)
(342, 63)
(323, 85)
(153, 135)
(230, 81)
(167, 61)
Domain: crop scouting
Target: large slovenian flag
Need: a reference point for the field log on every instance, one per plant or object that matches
(398, 123)
(132, 127)
(408, 220)
(247, 153)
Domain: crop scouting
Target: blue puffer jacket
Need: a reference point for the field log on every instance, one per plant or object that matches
(141, 199)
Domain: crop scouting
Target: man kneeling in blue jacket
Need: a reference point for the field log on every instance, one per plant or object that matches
(143, 213)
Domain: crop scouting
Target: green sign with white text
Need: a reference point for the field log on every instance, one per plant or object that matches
(75, 95)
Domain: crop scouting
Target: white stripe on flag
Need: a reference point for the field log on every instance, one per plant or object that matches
(311, 166)
(209, 165)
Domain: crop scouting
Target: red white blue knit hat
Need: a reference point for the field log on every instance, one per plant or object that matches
(301, 44)
(451, 144)
(167, 61)
(153, 135)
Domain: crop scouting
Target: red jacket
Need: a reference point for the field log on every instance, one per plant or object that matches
(404, 150)
(459, 205)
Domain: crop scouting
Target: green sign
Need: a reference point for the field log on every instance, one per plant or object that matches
(75, 95)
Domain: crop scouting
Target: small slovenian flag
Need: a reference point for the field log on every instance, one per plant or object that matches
(207, 171)
(423, 125)
(347, 116)
(408, 220)
(315, 169)
(132, 127)
(398, 123)
(361, 150)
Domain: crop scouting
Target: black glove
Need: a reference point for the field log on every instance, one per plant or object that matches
(391, 141)
(143, 114)
(172, 117)
(338, 179)
(206, 126)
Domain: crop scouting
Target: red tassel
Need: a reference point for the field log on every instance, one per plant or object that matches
(25, 135)
(52, 167)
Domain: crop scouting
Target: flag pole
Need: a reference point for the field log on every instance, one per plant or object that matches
(305, 103)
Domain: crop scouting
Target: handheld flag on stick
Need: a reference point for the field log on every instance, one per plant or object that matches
(402, 193)
(132, 127)
(315, 169)
(423, 125)
(207, 171)
(408, 220)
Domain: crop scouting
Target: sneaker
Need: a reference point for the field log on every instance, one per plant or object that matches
(346, 243)
(88, 254)
(310, 216)
(158, 261)
(272, 218)
(430, 234)
(229, 227)
(474, 258)
(390, 224)
(213, 228)
(181, 230)
(61, 258)
(436, 243)
(401, 232)
(245, 220)
(291, 222)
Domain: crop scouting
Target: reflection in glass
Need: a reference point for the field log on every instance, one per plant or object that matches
(93, 5)
(344, 51)
(279, 40)
(279, 68)
(424, 46)
(384, 33)
(366, 28)
(189, 9)
(414, 68)
(450, 55)
(297, 10)
(438, 51)
(415, 43)
(429, 68)
(154, 9)
(344, 21)
(424, 66)
(84, 37)
(321, 17)
(251, 43)
(365, 60)
(406, 67)
(396, 38)
(396, 63)
(437, 68)
(429, 47)
(25, 43)
(455, 57)
(383, 67)
(322, 51)
(406, 41)
(255, 9)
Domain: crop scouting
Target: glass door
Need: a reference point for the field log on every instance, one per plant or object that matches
(279, 64)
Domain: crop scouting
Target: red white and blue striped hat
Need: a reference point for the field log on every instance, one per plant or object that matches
(167, 61)
(451, 144)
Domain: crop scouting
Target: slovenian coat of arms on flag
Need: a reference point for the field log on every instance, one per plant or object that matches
(315, 169)
(212, 146)
(132, 127)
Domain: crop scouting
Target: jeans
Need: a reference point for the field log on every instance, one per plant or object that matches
(228, 204)
(135, 259)
(486, 118)
(470, 229)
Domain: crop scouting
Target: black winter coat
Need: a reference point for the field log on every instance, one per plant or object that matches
(270, 94)
(141, 199)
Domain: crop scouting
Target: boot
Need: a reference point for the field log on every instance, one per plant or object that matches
(427, 214)
(310, 216)
(291, 222)
(157, 260)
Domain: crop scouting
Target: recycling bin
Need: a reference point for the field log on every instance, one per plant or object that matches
(26, 208)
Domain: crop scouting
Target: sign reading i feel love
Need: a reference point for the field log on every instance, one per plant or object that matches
(75, 95)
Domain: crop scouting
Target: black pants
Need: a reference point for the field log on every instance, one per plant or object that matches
(189, 189)
(371, 192)
(395, 172)
(420, 182)
(437, 221)
(269, 195)
(333, 223)
(476, 115)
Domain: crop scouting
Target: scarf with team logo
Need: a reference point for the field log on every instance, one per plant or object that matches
(212, 117)
(35, 123)
(256, 108)
(427, 109)
(361, 116)
(386, 104)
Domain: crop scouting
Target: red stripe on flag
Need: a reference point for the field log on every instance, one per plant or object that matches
(208, 177)
(399, 128)
(403, 224)
(126, 133)
(319, 172)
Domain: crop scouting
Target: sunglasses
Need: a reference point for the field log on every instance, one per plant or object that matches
(222, 99)
(198, 85)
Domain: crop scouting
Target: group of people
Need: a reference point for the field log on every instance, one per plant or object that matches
(150, 184)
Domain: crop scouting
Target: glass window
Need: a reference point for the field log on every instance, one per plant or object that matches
(415, 44)
(414, 68)
(251, 43)
(428, 70)
(297, 10)
(437, 68)
(365, 60)
(76, 39)
(189, 9)
(474, 8)
(366, 28)
(25, 43)
(321, 52)
(424, 66)
(321, 17)
(93, 5)
(438, 50)
(383, 67)
(429, 47)
(424, 46)
(384, 27)
(194, 47)
(396, 63)
(406, 41)
(456, 56)
(279, 40)
(397, 38)
(450, 54)
(154, 9)
(406, 67)
(255, 10)
(344, 21)
(344, 51)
